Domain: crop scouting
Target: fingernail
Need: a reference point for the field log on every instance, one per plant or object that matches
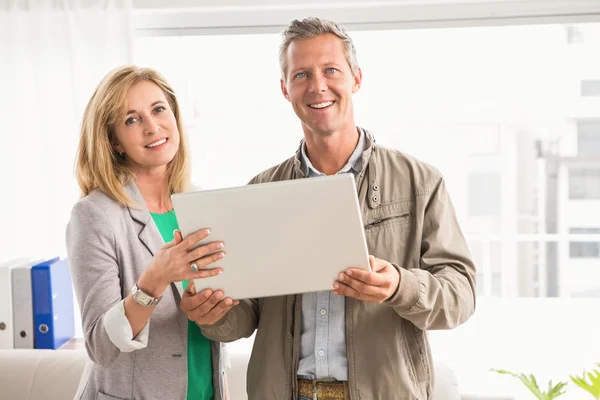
(175, 230)
(207, 231)
(220, 245)
(336, 286)
(221, 255)
(228, 302)
(349, 272)
(341, 277)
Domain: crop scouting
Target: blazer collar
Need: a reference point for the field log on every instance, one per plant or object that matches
(148, 233)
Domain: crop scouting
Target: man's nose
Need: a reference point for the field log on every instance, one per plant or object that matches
(318, 84)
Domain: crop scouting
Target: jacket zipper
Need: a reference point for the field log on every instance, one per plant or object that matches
(374, 224)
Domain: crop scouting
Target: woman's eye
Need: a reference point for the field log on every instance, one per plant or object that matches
(130, 121)
(159, 109)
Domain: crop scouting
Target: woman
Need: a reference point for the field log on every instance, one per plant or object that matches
(132, 156)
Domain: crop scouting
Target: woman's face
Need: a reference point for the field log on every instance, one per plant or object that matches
(148, 134)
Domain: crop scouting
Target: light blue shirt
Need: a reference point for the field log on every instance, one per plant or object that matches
(323, 337)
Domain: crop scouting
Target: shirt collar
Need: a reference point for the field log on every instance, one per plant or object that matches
(354, 163)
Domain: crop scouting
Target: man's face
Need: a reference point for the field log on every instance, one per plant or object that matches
(319, 84)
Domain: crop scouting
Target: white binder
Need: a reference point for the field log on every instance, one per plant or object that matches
(22, 306)
(6, 308)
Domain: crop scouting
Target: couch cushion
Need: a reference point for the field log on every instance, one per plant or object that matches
(40, 374)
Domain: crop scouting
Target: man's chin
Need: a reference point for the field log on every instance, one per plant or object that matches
(320, 130)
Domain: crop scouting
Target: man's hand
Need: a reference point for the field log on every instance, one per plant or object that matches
(375, 286)
(205, 307)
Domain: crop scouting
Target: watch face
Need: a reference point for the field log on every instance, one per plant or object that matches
(142, 298)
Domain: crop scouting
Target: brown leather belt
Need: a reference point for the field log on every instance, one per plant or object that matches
(324, 389)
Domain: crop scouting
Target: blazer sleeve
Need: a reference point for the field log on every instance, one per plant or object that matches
(91, 248)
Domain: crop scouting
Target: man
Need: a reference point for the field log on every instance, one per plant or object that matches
(366, 338)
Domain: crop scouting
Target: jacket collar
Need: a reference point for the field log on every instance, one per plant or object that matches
(299, 167)
(368, 172)
(148, 233)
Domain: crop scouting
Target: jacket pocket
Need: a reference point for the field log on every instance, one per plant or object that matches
(391, 219)
(104, 396)
(415, 351)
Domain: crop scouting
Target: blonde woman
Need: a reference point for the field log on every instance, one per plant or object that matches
(132, 156)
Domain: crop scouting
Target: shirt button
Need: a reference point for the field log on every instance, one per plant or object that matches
(321, 353)
(375, 187)
(323, 311)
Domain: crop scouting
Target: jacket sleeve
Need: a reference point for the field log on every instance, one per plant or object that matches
(241, 321)
(440, 292)
(91, 248)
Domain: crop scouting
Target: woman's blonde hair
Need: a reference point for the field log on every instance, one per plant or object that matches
(99, 165)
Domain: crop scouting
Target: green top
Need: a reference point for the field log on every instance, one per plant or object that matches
(199, 359)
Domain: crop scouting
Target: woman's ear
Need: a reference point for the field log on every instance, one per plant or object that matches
(118, 148)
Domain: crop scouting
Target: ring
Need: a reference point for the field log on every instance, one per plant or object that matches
(194, 267)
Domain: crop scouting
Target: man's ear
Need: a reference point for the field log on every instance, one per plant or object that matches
(284, 90)
(357, 80)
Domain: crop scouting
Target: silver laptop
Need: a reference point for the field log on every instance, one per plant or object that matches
(280, 238)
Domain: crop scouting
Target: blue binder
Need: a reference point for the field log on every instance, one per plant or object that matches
(53, 314)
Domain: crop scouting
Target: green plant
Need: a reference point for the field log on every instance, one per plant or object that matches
(593, 387)
(530, 382)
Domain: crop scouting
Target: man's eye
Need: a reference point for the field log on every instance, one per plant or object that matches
(331, 70)
(301, 75)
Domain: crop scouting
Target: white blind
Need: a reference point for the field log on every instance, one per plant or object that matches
(239, 16)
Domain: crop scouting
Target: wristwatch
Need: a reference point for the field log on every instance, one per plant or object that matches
(143, 299)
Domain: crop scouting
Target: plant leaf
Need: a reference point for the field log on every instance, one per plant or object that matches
(593, 386)
(530, 383)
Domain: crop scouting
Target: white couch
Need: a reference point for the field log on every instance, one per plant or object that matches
(54, 375)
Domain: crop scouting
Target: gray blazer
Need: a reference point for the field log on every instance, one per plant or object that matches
(109, 246)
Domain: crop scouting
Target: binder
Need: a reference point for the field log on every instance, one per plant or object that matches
(6, 307)
(22, 305)
(53, 313)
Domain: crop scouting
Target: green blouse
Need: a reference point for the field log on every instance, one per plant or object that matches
(199, 359)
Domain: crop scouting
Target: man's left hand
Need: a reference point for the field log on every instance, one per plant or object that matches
(375, 286)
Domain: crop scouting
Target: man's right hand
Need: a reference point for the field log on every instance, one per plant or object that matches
(206, 307)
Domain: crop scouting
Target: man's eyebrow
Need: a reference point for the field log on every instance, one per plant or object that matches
(151, 105)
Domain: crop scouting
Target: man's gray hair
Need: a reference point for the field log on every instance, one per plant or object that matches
(312, 27)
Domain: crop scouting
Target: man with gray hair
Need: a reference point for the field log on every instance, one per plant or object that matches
(366, 338)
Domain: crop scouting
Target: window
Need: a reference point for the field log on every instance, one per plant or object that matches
(588, 138)
(584, 183)
(590, 88)
(584, 249)
(473, 102)
(484, 194)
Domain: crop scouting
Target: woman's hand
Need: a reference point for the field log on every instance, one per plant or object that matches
(175, 262)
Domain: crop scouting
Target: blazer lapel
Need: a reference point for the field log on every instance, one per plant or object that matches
(148, 234)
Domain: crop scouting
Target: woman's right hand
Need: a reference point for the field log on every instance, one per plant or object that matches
(173, 262)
